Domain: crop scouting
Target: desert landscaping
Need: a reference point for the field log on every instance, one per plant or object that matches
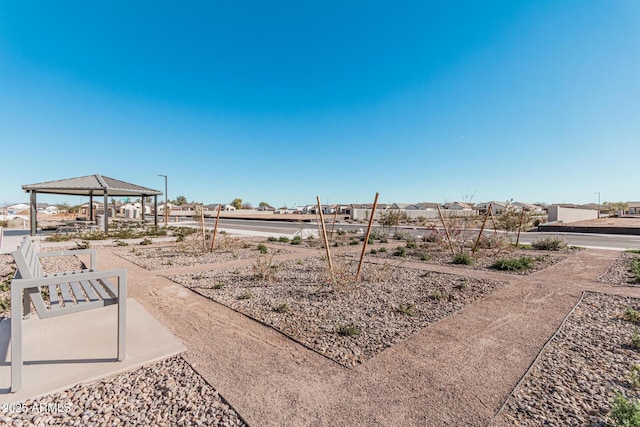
(541, 334)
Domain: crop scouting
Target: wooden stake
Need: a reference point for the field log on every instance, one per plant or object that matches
(204, 234)
(519, 227)
(215, 229)
(495, 228)
(446, 230)
(366, 238)
(324, 235)
(486, 216)
(333, 226)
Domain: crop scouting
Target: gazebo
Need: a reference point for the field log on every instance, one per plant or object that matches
(90, 185)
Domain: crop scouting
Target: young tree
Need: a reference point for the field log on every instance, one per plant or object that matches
(181, 200)
(237, 203)
(246, 205)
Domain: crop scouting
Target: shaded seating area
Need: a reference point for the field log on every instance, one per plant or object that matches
(90, 186)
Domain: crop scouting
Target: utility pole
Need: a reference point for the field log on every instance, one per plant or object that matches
(598, 193)
(166, 202)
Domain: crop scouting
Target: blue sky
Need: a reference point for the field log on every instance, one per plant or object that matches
(282, 101)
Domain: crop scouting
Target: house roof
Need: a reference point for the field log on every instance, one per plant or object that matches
(91, 185)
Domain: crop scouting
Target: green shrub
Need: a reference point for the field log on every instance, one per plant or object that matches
(353, 242)
(412, 245)
(436, 295)
(283, 239)
(625, 412)
(5, 304)
(218, 285)
(514, 264)
(58, 238)
(635, 270)
(373, 251)
(382, 249)
(347, 330)
(635, 341)
(146, 241)
(282, 308)
(631, 315)
(634, 376)
(462, 258)
(246, 295)
(425, 257)
(272, 239)
(82, 245)
(296, 240)
(549, 244)
(400, 251)
(262, 248)
(405, 309)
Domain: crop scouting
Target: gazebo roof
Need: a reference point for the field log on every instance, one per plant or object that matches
(91, 185)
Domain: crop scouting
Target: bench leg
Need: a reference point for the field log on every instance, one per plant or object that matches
(122, 317)
(16, 338)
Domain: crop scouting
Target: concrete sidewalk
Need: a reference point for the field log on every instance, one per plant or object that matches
(78, 348)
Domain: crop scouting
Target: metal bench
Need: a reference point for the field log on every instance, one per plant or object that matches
(59, 294)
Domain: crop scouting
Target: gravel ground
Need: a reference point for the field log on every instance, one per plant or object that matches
(345, 322)
(483, 259)
(619, 272)
(50, 265)
(168, 393)
(573, 381)
(184, 255)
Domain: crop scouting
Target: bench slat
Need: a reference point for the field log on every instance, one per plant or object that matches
(77, 292)
(97, 284)
(54, 300)
(113, 291)
(67, 299)
(89, 290)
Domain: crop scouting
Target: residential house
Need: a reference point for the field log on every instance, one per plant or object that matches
(633, 208)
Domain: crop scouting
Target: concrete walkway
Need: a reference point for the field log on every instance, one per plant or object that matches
(61, 352)
(457, 372)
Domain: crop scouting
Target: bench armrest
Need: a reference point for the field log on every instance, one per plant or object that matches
(92, 252)
(58, 279)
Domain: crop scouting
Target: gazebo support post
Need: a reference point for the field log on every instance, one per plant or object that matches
(33, 214)
(144, 209)
(90, 207)
(155, 210)
(106, 213)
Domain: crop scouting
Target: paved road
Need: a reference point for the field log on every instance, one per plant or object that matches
(588, 240)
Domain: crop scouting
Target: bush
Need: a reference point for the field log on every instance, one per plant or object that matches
(462, 258)
(635, 270)
(272, 239)
(296, 240)
(625, 412)
(400, 251)
(347, 330)
(631, 315)
(262, 248)
(405, 309)
(549, 244)
(282, 308)
(514, 264)
(283, 239)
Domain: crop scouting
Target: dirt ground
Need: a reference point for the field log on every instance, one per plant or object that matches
(458, 371)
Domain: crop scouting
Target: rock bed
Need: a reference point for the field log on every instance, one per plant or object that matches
(50, 265)
(619, 272)
(482, 260)
(573, 381)
(162, 258)
(167, 393)
(345, 322)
